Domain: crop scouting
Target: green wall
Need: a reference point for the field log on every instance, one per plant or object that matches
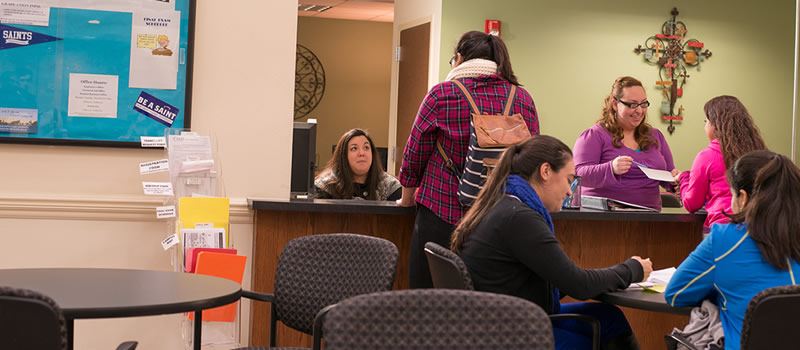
(568, 53)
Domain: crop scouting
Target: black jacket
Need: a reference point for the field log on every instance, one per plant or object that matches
(512, 251)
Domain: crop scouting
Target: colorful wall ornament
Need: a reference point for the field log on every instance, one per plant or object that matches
(673, 54)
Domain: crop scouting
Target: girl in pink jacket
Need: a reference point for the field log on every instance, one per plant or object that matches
(732, 133)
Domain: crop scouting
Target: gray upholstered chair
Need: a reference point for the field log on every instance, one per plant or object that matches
(769, 321)
(31, 320)
(320, 270)
(449, 271)
(440, 319)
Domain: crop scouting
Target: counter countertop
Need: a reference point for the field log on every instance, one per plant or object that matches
(389, 207)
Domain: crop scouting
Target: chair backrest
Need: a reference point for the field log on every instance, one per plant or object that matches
(447, 269)
(320, 270)
(669, 200)
(769, 322)
(30, 320)
(441, 319)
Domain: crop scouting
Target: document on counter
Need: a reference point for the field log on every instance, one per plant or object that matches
(657, 282)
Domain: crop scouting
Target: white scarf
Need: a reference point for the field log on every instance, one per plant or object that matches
(472, 68)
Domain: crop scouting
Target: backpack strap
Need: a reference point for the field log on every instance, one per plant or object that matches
(468, 96)
(448, 161)
(510, 102)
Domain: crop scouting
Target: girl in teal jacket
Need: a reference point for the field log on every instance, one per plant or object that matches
(759, 249)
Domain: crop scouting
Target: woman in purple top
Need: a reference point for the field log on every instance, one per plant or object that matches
(606, 152)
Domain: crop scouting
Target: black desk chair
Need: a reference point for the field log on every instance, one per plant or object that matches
(31, 320)
(449, 271)
(770, 319)
(670, 200)
(441, 319)
(321, 270)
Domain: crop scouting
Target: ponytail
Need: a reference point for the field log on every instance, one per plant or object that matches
(523, 159)
(772, 212)
(475, 44)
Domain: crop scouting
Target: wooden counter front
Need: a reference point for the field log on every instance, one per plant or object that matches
(591, 239)
(601, 239)
(277, 223)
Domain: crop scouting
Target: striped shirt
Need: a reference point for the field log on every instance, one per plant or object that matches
(444, 117)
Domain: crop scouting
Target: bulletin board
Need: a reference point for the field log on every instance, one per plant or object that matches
(94, 72)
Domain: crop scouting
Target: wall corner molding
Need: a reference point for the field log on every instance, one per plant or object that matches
(98, 208)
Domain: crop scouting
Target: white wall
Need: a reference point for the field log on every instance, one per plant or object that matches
(83, 207)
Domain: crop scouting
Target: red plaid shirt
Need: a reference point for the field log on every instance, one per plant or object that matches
(444, 116)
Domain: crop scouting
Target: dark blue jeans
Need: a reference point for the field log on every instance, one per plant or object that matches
(574, 334)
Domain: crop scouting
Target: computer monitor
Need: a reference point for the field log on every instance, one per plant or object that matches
(304, 156)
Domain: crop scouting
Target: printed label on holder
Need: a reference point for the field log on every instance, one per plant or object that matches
(157, 188)
(203, 225)
(154, 166)
(170, 241)
(154, 141)
(165, 212)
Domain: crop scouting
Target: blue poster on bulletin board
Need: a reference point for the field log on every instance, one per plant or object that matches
(100, 73)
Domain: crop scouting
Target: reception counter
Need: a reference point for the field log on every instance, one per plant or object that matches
(592, 239)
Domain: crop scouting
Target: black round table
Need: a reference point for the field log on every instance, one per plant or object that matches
(84, 293)
(638, 299)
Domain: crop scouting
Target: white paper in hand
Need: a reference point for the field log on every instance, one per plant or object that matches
(660, 175)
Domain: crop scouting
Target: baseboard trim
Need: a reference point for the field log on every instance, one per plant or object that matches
(99, 209)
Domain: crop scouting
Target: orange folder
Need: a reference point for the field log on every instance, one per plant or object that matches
(227, 266)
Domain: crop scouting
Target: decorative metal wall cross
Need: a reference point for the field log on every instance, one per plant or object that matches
(672, 53)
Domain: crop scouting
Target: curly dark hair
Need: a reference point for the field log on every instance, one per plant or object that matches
(733, 127)
(609, 121)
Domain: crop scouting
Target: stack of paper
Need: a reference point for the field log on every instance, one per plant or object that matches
(203, 223)
(657, 282)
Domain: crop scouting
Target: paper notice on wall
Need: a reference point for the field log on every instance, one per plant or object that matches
(157, 188)
(93, 95)
(154, 166)
(19, 120)
(155, 37)
(18, 12)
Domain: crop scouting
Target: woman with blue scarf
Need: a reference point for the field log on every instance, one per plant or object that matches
(507, 241)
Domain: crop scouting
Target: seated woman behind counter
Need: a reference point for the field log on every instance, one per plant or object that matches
(352, 174)
(606, 152)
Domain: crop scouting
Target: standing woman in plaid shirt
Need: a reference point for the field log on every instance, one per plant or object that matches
(481, 63)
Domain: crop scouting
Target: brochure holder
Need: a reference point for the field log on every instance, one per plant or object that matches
(201, 218)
